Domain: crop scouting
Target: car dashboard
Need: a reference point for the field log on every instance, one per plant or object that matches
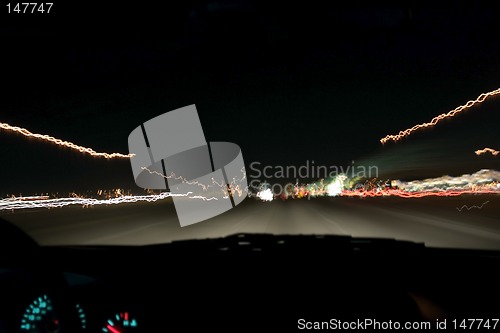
(242, 281)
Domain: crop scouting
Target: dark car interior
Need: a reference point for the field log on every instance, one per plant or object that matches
(243, 281)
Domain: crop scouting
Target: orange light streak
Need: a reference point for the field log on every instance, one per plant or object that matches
(59, 142)
(487, 150)
(437, 119)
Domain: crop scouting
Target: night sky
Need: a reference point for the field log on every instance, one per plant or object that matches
(286, 82)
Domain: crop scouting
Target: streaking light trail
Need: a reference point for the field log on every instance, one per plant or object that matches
(234, 185)
(469, 208)
(482, 182)
(437, 119)
(59, 142)
(482, 179)
(405, 194)
(46, 202)
(487, 150)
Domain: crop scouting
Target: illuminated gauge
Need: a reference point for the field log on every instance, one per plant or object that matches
(121, 323)
(81, 316)
(40, 317)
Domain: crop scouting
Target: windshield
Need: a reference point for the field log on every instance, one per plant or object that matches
(377, 121)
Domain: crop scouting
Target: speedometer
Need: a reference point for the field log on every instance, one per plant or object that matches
(40, 317)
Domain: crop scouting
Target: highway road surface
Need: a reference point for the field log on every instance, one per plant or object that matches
(437, 222)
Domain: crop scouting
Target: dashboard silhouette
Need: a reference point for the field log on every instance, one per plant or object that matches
(243, 281)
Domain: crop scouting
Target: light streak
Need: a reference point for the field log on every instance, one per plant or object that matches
(469, 208)
(483, 179)
(182, 179)
(437, 119)
(487, 150)
(482, 182)
(266, 194)
(45, 202)
(119, 196)
(28, 198)
(59, 142)
(423, 194)
(203, 198)
(234, 185)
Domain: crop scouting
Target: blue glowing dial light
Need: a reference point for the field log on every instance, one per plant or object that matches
(81, 316)
(121, 323)
(40, 317)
